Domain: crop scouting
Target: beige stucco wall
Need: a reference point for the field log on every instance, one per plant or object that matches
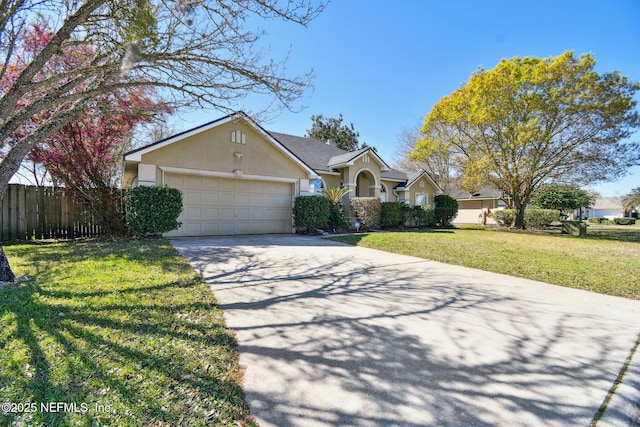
(390, 186)
(212, 150)
(415, 189)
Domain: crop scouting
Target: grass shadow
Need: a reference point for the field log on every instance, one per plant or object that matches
(127, 333)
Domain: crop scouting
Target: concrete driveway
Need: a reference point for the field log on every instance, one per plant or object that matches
(335, 335)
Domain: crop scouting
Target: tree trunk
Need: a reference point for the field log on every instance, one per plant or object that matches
(6, 275)
(518, 217)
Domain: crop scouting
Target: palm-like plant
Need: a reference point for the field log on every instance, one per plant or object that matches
(631, 200)
(335, 194)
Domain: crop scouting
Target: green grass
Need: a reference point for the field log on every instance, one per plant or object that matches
(128, 326)
(606, 261)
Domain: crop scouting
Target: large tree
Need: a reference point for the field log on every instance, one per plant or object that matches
(531, 121)
(332, 129)
(197, 52)
(563, 197)
(440, 163)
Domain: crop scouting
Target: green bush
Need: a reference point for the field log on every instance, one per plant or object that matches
(538, 218)
(595, 220)
(446, 209)
(503, 217)
(153, 210)
(367, 210)
(423, 216)
(311, 213)
(392, 214)
(624, 221)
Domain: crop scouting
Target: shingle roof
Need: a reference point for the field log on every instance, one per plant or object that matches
(313, 152)
(484, 193)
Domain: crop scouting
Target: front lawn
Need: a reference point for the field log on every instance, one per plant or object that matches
(607, 261)
(114, 333)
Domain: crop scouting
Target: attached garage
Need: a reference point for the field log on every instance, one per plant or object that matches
(223, 206)
(235, 177)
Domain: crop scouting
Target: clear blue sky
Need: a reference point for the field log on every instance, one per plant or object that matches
(384, 65)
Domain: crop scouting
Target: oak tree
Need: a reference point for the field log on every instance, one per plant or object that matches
(196, 52)
(530, 121)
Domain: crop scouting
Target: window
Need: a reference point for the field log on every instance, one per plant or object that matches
(422, 199)
(383, 193)
(315, 186)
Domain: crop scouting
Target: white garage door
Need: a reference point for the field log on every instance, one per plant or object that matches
(222, 206)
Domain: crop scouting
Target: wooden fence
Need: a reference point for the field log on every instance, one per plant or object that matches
(30, 212)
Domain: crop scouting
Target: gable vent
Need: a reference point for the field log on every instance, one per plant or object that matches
(238, 137)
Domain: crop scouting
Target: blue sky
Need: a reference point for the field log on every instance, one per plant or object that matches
(384, 67)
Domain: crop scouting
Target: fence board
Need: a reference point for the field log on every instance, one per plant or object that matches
(29, 212)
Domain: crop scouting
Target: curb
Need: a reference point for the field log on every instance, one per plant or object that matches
(624, 407)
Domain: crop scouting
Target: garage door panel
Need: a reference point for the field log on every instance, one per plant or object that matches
(220, 206)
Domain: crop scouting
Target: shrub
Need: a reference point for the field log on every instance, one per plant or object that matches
(392, 215)
(153, 210)
(503, 217)
(311, 213)
(538, 218)
(595, 220)
(624, 221)
(367, 210)
(423, 216)
(446, 209)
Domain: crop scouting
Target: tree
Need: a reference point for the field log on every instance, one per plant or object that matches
(440, 163)
(197, 52)
(331, 129)
(562, 197)
(85, 155)
(530, 121)
(631, 200)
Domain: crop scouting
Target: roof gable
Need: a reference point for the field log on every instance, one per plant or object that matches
(349, 158)
(136, 155)
(415, 176)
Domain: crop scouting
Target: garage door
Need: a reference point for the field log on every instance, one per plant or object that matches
(222, 206)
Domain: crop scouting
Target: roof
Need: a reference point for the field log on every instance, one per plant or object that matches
(313, 152)
(314, 155)
(608, 203)
(136, 155)
(483, 193)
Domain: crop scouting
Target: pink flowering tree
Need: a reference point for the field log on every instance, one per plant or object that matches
(197, 53)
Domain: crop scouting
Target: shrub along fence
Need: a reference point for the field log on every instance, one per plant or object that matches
(30, 212)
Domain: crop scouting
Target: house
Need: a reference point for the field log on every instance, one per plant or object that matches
(238, 178)
(606, 207)
(473, 208)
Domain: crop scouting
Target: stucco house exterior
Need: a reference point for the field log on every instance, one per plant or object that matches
(238, 178)
(473, 208)
(605, 207)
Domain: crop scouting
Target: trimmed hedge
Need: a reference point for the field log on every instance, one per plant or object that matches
(446, 209)
(392, 215)
(153, 210)
(624, 221)
(367, 210)
(538, 218)
(503, 217)
(311, 213)
(423, 216)
(599, 220)
(534, 218)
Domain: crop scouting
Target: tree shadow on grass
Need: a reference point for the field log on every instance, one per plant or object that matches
(157, 354)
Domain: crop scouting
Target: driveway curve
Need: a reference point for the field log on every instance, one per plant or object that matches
(336, 335)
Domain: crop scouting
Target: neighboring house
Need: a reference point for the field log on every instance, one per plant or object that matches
(606, 207)
(237, 178)
(473, 208)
